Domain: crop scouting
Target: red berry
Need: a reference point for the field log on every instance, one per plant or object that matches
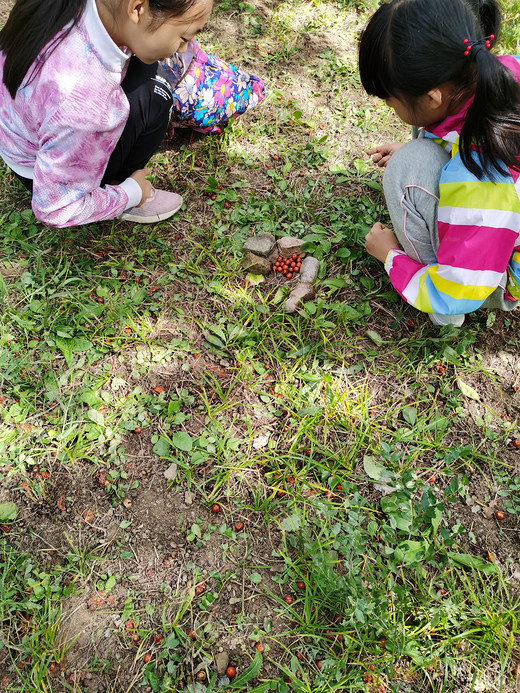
(289, 275)
(260, 647)
(138, 429)
(288, 599)
(158, 390)
(499, 515)
(215, 507)
(301, 585)
(147, 658)
(200, 588)
(239, 526)
(231, 672)
(294, 256)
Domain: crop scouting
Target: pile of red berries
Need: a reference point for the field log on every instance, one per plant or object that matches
(288, 265)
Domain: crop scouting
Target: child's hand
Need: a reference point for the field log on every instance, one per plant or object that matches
(146, 186)
(380, 240)
(382, 153)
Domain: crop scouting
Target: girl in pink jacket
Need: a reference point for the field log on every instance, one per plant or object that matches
(84, 103)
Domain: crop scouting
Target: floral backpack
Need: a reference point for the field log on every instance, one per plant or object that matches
(207, 91)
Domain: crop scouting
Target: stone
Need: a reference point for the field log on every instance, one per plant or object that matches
(171, 472)
(256, 264)
(262, 244)
(309, 270)
(260, 442)
(300, 294)
(273, 255)
(221, 662)
(289, 245)
(188, 497)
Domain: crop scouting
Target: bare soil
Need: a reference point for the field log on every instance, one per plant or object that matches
(164, 566)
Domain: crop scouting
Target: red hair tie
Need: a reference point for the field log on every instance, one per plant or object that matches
(486, 41)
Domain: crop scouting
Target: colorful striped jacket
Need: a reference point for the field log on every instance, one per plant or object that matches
(479, 228)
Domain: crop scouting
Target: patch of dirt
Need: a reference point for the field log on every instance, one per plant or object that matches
(5, 8)
(144, 543)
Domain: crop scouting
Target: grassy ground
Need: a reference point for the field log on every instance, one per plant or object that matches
(193, 479)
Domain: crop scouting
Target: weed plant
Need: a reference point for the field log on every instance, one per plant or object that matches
(349, 439)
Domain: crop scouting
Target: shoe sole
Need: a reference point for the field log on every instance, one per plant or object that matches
(150, 219)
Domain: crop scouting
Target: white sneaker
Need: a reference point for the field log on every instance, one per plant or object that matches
(159, 206)
(440, 320)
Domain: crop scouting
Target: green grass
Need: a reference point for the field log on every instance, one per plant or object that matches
(344, 438)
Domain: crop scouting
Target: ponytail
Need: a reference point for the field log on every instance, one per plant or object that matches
(29, 28)
(493, 119)
(412, 46)
(488, 14)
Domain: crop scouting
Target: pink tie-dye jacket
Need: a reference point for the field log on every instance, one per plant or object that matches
(64, 123)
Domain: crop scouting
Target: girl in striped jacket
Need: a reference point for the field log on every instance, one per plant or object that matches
(453, 192)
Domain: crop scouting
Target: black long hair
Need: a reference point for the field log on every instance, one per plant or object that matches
(412, 46)
(32, 24)
(29, 27)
